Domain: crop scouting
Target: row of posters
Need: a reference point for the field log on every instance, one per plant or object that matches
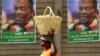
(18, 24)
(83, 20)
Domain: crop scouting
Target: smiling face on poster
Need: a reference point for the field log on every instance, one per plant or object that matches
(83, 20)
(17, 21)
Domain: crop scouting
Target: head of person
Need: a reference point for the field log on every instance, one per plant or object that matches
(23, 11)
(87, 11)
(45, 42)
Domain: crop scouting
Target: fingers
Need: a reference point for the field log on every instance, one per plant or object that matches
(52, 31)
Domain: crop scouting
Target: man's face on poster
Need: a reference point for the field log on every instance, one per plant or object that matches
(86, 11)
(22, 11)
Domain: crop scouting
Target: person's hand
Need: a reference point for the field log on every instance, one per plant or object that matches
(51, 34)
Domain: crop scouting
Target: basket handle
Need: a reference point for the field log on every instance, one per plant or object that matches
(51, 12)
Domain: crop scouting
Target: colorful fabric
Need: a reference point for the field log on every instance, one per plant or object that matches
(47, 53)
(81, 27)
(14, 27)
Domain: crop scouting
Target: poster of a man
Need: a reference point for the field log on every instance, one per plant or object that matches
(19, 19)
(86, 16)
(83, 18)
(22, 16)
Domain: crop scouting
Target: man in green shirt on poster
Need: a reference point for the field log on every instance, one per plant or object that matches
(23, 14)
(87, 16)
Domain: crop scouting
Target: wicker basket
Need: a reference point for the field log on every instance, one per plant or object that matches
(44, 22)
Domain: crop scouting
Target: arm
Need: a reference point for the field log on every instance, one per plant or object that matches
(50, 37)
(53, 46)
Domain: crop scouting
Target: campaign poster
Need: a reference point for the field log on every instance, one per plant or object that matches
(82, 20)
(17, 21)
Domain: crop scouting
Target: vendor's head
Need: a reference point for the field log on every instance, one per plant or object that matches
(45, 42)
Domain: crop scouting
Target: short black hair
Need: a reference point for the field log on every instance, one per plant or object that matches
(31, 4)
(95, 4)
